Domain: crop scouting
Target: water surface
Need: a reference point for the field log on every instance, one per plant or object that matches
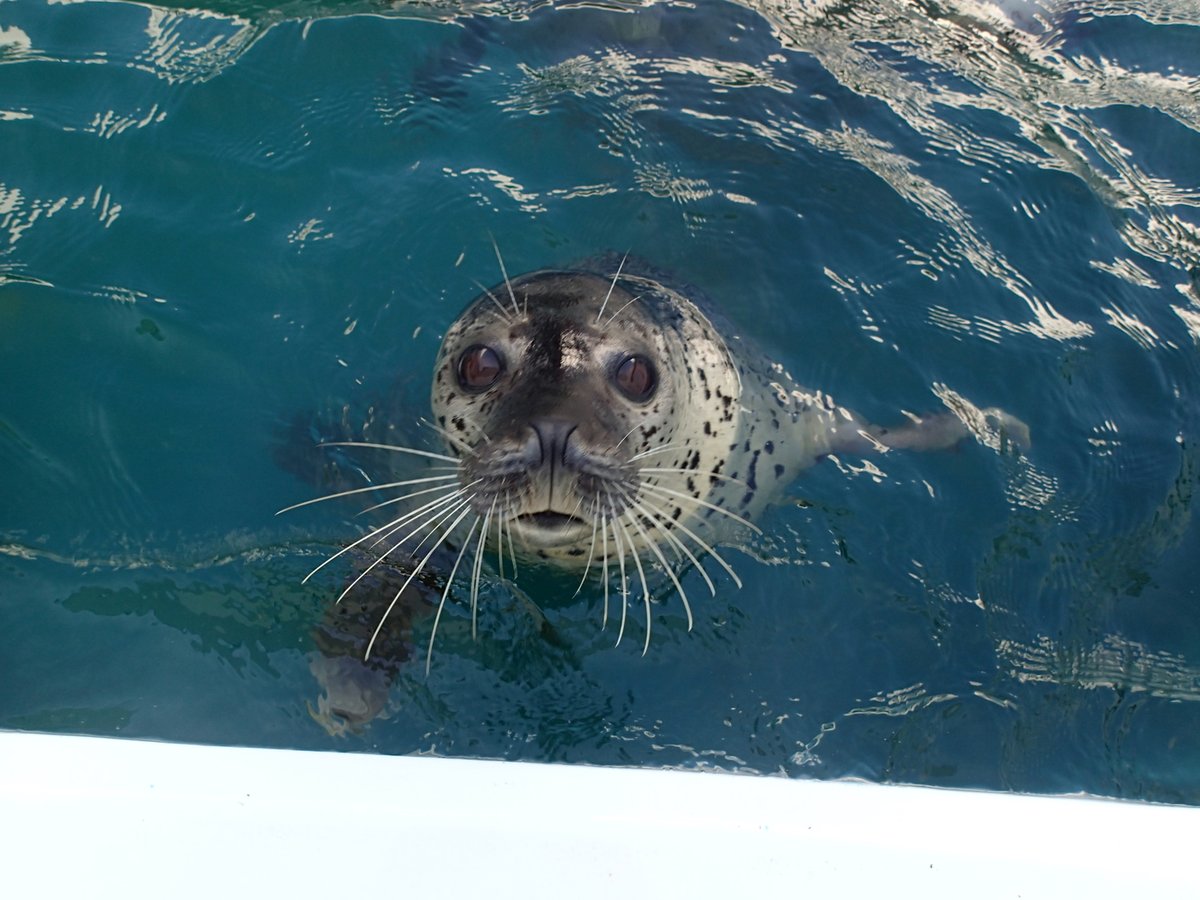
(217, 224)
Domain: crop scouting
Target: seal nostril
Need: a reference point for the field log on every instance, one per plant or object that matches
(553, 435)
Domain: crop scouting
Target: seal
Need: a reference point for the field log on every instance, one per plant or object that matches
(603, 422)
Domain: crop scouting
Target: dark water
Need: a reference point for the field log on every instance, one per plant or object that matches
(216, 224)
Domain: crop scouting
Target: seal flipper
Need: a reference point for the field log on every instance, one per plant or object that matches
(940, 431)
(297, 451)
(304, 447)
(300, 449)
(354, 689)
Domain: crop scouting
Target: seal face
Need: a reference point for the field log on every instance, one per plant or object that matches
(586, 409)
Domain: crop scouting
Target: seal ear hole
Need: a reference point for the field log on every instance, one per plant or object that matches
(479, 367)
(635, 378)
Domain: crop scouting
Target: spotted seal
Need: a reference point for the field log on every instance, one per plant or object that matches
(603, 421)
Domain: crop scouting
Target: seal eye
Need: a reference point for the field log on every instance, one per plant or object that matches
(479, 368)
(636, 378)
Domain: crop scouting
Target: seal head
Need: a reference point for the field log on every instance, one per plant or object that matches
(560, 391)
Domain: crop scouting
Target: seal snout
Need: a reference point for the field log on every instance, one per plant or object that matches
(552, 435)
(550, 478)
(554, 458)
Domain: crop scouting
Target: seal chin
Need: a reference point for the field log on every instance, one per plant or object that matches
(549, 528)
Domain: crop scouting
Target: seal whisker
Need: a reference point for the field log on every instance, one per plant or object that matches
(683, 470)
(604, 545)
(637, 562)
(390, 528)
(445, 593)
(610, 290)
(663, 525)
(439, 511)
(366, 537)
(653, 545)
(370, 487)
(708, 548)
(410, 495)
(579, 505)
(624, 582)
(627, 434)
(591, 547)
(500, 306)
(500, 542)
(429, 525)
(432, 507)
(504, 272)
(499, 548)
(628, 303)
(479, 430)
(415, 572)
(382, 557)
(392, 447)
(659, 489)
(451, 439)
(512, 553)
(663, 449)
(487, 520)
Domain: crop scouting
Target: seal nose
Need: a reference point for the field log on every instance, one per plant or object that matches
(552, 435)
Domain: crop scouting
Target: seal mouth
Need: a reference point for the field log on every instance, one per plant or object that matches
(549, 529)
(548, 520)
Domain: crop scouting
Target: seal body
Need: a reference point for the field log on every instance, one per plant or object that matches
(604, 421)
(607, 413)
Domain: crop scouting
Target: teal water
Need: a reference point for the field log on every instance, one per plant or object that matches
(218, 223)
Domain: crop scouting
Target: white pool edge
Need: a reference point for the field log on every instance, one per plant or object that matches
(94, 816)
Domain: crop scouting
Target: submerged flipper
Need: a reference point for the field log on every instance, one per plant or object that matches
(940, 431)
(944, 430)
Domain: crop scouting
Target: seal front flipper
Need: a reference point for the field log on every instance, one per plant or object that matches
(354, 689)
(315, 446)
(304, 447)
